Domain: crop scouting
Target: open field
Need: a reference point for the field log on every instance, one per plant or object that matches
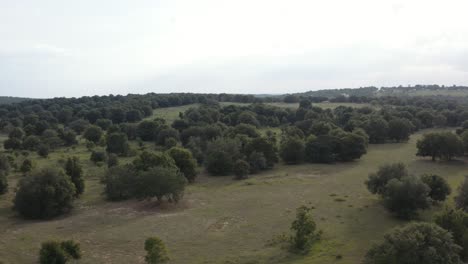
(226, 221)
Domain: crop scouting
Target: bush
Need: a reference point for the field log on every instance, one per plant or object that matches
(44, 194)
(43, 150)
(439, 187)
(98, 156)
(377, 181)
(54, 252)
(26, 166)
(405, 196)
(93, 134)
(461, 200)
(241, 169)
(117, 143)
(156, 251)
(112, 160)
(304, 231)
(185, 162)
(416, 243)
(4, 163)
(74, 170)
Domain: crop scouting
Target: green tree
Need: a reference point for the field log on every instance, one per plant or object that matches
(120, 182)
(399, 129)
(44, 194)
(74, 170)
(415, 243)
(93, 134)
(376, 183)
(117, 143)
(43, 150)
(442, 145)
(156, 251)
(304, 231)
(159, 182)
(185, 162)
(405, 196)
(456, 222)
(221, 155)
(98, 156)
(112, 160)
(439, 187)
(292, 150)
(464, 139)
(377, 129)
(147, 160)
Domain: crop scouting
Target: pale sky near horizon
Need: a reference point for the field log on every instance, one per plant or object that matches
(53, 48)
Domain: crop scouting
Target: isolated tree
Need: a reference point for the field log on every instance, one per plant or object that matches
(351, 146)
(93, 134)
(156, 251)
(415, 243)
(304, 231)
(456, 222)
(292, 150)
(241, 169)
(439, 187)
(117, 143)
(399, 129)
(461, 200)
(74, 170)
(160, 182)
(55, 252)
(376, 183)
(45, 193)
(405, 196)
(185, 162)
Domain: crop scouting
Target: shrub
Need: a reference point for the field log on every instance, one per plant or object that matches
(416, 243)
(156, 251)
(241, 169)
(304, 231)
(54, 252)
(257, 162)
(438, 186)
(112, 160)
(93, 134)
(74, 170)
(98, 156)
(43, 150)
(26, 166)
(117, 143)
(44, 194)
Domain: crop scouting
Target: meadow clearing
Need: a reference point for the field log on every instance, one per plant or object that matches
(221, 220)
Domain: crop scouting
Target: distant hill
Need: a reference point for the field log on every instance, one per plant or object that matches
(10, 99)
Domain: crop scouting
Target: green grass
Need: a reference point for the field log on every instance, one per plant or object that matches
(225, 221)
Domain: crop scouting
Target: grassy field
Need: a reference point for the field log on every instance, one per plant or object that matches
(226, 221)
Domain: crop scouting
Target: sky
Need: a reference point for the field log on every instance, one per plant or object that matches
(56, 48)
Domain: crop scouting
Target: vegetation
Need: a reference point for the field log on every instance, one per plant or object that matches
(456, 222)
(304, 231)
(44, 194)
(156, 251)
(59, 252)
(442, 145)
(416, 243)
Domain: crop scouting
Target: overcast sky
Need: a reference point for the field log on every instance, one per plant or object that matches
(52, 48)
